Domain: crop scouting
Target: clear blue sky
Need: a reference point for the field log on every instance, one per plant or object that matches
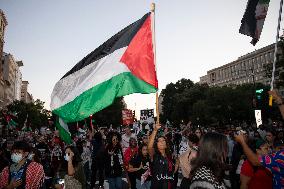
(192, 36)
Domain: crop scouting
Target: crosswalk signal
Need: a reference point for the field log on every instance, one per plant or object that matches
(259, 94)
(261, 98)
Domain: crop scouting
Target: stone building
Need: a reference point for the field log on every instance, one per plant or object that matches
(246, 69)
(12, 77)
(3, 24)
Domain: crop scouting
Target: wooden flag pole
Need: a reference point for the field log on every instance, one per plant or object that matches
(275, 52)
(153, 6)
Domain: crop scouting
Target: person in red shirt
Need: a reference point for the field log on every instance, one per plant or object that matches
(129, 153)
(23, 173)
(253, 176)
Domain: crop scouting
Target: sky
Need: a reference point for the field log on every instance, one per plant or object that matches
(192, 37)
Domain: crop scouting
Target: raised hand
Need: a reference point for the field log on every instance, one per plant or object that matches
(157, 127)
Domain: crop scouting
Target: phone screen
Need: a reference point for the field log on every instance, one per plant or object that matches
(61, 181)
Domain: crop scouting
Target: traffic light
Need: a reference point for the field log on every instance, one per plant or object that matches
(261, 98)
(259, 94)
(133, 113)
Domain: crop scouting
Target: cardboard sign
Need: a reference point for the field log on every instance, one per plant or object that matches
(147, 116)
(127, 117)
(258, 117)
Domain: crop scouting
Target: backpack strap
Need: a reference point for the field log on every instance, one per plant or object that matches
(25, 172)
(25, 167)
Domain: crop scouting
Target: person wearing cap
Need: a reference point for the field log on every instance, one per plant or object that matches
(273, 162)
(253, 176)
(23, 173)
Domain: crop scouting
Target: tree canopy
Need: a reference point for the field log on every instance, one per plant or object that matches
(206, 105)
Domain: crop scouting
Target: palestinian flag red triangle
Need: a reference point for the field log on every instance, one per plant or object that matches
(139, 56)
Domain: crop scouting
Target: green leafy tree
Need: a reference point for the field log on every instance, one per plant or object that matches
(31, 114)
(111, 114)
(279, 69)
(173, 101)
(205, 105)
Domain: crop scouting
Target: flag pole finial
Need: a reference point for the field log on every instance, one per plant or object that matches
(152, 7)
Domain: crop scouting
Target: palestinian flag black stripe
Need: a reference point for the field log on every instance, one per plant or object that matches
(119, 40)
(253, 19)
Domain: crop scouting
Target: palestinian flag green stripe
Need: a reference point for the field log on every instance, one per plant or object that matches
(120, 85)
(64, 133)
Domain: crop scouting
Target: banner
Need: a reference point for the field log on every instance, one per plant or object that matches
(147, 116)
(258, 117)
(127, 117)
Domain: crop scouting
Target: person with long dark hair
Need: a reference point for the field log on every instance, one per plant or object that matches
(114, 161)
(140, 164)
(208, 168)
(75, 171)
(162, 164)
(98, 159)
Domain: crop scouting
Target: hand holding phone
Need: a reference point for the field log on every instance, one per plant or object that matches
(61, 181)
(15, 183)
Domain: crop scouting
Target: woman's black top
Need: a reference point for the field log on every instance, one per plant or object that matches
(162, 172)
(136, 162)
(113, 162)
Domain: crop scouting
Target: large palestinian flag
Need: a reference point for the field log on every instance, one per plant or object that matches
(122, 65)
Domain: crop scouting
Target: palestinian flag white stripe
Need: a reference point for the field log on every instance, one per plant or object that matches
(64, 125)
(68, 88)
(63, 129)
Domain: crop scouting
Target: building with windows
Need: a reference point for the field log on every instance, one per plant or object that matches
(12, 77)
(246, 69)
(25, 95)
(3, 24)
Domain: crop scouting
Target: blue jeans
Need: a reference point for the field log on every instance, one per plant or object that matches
(115, 183)
(145, 185)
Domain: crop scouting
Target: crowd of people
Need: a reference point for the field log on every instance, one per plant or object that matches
(156, 157)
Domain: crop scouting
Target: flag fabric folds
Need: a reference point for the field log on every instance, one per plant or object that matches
(253, 19)
(10, 119)
(122, 65)
(63, 129)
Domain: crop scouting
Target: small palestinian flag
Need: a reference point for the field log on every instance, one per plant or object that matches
(253, 19)
(123, 65)
(63, 129)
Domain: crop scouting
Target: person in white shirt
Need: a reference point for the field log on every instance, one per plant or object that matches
(125, 138)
